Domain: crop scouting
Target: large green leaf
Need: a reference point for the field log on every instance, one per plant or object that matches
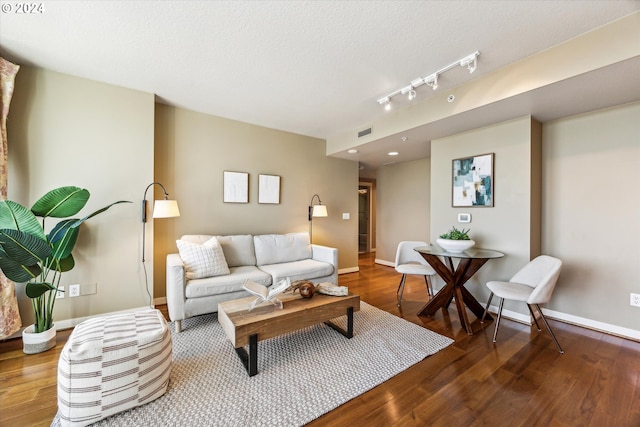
(24, 248)
(14, 216)
(16, 271)
(99, 211)
(63, 238)
(66, 264)
(37, 289)
(61, 202)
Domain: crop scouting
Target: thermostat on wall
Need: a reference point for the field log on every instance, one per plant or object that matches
(464, 217)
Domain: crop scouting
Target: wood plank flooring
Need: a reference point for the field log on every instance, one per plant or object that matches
(520, 381)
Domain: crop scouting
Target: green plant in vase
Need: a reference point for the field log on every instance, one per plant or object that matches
(455, 234)
(455, 241)
(29, 255)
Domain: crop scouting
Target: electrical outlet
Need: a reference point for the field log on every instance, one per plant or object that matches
(635, 300)
(74, 291)
(60, 292)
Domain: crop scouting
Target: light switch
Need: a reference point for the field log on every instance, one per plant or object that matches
(346, 215)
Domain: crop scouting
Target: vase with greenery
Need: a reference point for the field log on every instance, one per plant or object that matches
(455, 234)
(455, 241)
(28, 254)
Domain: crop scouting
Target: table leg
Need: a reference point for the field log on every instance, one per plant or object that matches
(250, 359)
(349, 332)
(462, 311)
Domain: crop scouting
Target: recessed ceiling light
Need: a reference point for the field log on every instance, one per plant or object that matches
(352, 151)
(404, 139)
(393, 153)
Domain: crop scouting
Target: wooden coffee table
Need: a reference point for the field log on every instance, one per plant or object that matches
(244, 328)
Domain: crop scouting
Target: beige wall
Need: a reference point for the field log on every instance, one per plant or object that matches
(403, 206)
(506, 227)
(591, 212)
(65, 130)
(193, 150)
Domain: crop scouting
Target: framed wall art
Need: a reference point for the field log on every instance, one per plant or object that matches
(269, 189)
(473, 181)
(236, 187)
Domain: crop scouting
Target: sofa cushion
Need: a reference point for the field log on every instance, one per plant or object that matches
(209, 286)
(279, 248)
(204, 260)
(298, 270)
(238, 250)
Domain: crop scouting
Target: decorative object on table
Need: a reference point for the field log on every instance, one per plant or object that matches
(29, 255)
(161, 209)
(235, 187)
(265, 294)
(305, 287)
(269, 189)
(473, 181)
(315, 211)
(533, 284)
(455, 241)
(327, 288)
(408, 261)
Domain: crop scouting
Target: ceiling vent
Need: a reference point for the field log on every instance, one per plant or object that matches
(364, 133)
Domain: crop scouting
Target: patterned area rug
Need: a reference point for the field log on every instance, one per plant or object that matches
(301, 375)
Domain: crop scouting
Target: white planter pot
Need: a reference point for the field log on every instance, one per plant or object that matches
(33, 343)
(455, 246)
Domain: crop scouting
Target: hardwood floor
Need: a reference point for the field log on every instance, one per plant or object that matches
(520, 381)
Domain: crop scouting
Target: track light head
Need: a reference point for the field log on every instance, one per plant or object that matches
(432, 81)
(412, 94)
(471, 62)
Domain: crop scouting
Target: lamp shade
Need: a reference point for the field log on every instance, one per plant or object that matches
(319, 210)
(166, 209)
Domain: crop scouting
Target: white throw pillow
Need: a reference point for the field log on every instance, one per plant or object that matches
(206, 260)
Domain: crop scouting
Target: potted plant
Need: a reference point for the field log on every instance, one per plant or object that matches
(28, 254)
(455, 241)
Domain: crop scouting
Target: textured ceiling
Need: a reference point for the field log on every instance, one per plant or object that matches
(310, 67)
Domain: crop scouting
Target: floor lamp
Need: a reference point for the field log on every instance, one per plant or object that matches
(162, 209)
(315, 211)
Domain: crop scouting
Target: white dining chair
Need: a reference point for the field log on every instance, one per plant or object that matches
(533, 284)
(408, 261)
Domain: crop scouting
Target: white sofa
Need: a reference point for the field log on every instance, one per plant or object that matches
(266, 259)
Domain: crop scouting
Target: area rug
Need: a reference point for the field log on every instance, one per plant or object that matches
(301, 375)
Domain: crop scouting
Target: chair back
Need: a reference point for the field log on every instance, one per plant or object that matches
(406, 255)
(542, 274)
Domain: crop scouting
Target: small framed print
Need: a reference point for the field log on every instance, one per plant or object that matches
(236, 187)
(269, 189)
(472, 183)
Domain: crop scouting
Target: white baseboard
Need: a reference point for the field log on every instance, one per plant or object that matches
(159, 301)
(571, 319)
(348, 270)
(383, 262)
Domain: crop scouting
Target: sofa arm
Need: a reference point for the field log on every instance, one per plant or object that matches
(325, 254)
(176, 283)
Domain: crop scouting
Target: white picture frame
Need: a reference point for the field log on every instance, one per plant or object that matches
(269, 189)
(235, 187)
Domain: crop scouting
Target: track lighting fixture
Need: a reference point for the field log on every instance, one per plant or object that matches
(432, 81)
(469, 61)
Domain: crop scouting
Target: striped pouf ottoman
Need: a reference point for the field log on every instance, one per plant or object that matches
(111, 364)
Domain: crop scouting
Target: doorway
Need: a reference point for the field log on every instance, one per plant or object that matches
(364, 217)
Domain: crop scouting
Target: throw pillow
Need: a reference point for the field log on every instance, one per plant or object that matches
(206, 260)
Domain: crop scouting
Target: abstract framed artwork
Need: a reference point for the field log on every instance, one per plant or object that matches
(473, 181)
(235, 187)
(269, 189)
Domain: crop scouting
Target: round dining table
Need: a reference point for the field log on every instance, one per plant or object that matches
(469, 262)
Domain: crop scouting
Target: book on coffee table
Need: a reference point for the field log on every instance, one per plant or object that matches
(265, 294)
